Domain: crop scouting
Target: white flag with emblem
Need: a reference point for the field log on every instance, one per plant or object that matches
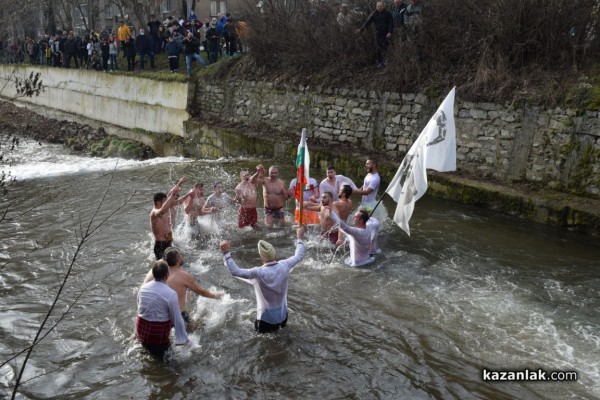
(435, 148)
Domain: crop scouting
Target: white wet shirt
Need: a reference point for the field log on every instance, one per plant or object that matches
(270, 283)
(371, 181)
(157, 302)
(360, 240)
(334, 190)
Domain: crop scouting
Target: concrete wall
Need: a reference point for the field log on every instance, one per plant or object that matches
(125, 101)
(555, 148)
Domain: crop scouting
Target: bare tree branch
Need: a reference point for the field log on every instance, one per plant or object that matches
(87, 232)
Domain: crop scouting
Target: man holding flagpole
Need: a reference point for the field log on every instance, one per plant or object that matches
(302, 177)
(435, 148)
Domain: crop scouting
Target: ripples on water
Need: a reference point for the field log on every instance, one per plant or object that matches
(469, 289)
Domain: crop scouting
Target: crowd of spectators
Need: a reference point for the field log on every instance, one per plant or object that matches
(191, 38)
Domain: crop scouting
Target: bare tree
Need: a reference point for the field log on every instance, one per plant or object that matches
(84, 233)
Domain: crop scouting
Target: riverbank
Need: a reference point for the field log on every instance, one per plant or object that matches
(79, 137)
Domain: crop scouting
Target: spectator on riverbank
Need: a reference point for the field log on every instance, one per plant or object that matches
(113, 52)
(213, 40)
(172, 48)
(191, 48)
(384, 27)
(72, 50)
(129, 50)
(398, 10)
(105, 52)
(230, 36)
(122, 34)
(143, 45)
(413, 20)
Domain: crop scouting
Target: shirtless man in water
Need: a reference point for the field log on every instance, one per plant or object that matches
(343, 207)
(160, 218)
(195, 205)
(328, 229)
(180, 281)
(246, 197)
(275, 195)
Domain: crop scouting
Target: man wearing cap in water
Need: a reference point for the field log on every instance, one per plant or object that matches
(270, 282)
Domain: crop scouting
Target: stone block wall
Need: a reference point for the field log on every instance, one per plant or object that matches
(557, 148)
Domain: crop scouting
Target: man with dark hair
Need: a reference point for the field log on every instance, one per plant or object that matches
(384, 27)
(180, 281)
(158, 312)
(153, 26)
(334, 181)
(361, 236)
(370, 185)
(343, 207)
(328, 229)
(160, 221)
(191, 49)
(398, 10)
(270, 282)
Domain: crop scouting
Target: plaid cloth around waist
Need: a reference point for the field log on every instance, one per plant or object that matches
(152, 332)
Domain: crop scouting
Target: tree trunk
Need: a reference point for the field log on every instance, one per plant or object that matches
(50, 26)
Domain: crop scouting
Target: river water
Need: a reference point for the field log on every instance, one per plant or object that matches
(468, 290)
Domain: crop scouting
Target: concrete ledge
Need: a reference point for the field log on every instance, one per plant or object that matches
(125, 101)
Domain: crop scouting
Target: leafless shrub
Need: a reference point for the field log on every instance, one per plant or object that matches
(489, 48)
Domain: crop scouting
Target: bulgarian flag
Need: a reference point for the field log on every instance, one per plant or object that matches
(302, 166)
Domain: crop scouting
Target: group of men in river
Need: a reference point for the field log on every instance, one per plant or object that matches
(162, 297)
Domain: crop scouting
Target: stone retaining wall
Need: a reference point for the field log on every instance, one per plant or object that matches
(558, 148)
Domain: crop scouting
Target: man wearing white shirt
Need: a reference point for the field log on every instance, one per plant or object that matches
(270, 282)
(363, 237)
(158, 312)
(370, 186)
(334, 182)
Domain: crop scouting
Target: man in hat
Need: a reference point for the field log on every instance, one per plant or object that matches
(270, 282)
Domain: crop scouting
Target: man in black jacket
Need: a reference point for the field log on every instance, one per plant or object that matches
(384, 27)
(144, 46)
(191, 48)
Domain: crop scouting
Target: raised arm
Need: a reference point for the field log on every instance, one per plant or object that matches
(258, 175)
(233, 268)
(170, 202)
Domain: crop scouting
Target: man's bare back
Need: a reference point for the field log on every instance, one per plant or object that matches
(344, 206)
